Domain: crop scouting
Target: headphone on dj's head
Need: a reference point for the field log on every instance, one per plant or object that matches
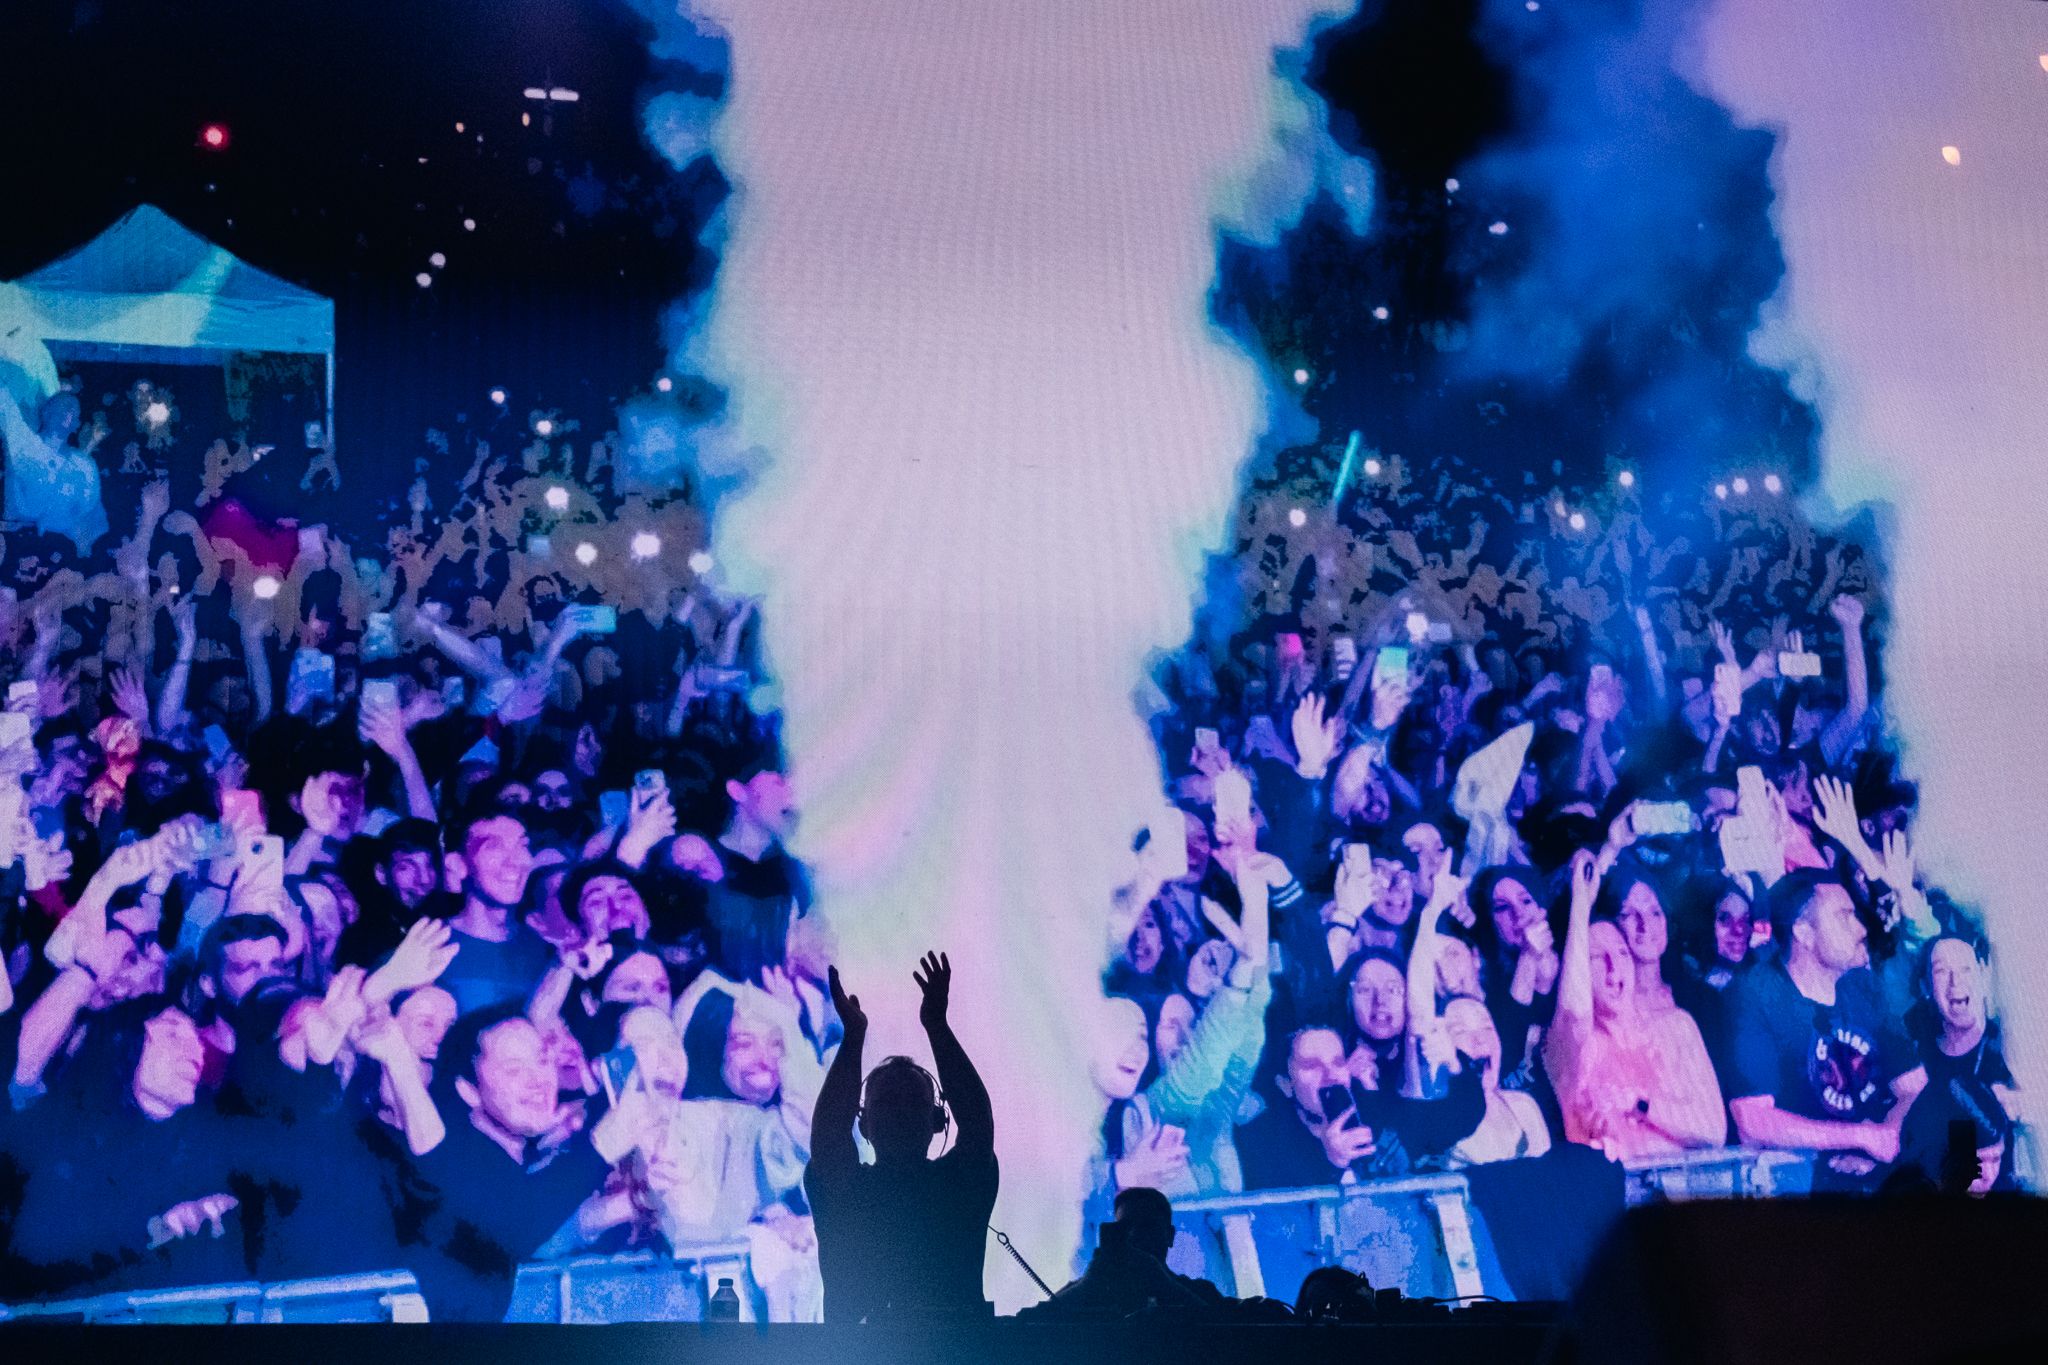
(940, 1117)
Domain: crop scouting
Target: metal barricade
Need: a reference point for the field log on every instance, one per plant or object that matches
(1719, 1173)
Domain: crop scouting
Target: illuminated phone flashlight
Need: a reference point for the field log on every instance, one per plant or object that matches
(1301, 376)
(1773, 484)
(544, 426)
(1372, 469)
(1739, 484)
(1721, 491)
(1297, 517)
(423, 280)
(586, 553)
(156, 412)
(557, 498)
(1559, 509)
(214, 137)
(498, 397)
(1626, 478)
(1577, 521)
(664, 384)
(265, 587)
(1418, 626)
(469, 225)
(645, 545)
(1381, 313)
(437, 260)
(701, 562)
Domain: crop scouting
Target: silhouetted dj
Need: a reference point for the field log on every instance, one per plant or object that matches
(904, 1236)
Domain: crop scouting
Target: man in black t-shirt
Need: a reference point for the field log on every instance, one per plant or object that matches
(1817, 1063)
(512, 1171)
(905, 1236)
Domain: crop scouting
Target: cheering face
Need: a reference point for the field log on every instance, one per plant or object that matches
(1147, 944)
(245, 963)
(551, 790)
(515, 1082)
(1457, 968)
(765, 799)
(333, 804)
(1831, 929)
(1470, 1027)
(411, 876)
(639, 980)
(1176, 1025)
(610, 905)
(424, 1017)
(1955, 979)
(1316, 1062)
(753, 1059)
(172, 1059)
(1379, 1000)
(1394, 900)
(1733, 922)
(499, 859)
(1642, 923)
(1514, 910)
(1208, 967)
(1121, 1049)
(1614, 971)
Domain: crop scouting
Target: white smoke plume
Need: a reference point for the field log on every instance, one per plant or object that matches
(962, 312)
(1915, 308)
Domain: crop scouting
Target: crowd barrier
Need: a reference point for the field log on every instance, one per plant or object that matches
(1416, 1234)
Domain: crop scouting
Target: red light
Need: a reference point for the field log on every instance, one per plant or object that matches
(214, 135)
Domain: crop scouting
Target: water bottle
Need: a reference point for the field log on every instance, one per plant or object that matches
(725, 1304)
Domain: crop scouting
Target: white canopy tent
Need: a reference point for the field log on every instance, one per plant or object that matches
(151, 289)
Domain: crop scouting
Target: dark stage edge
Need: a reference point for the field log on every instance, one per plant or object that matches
(1439, 1343)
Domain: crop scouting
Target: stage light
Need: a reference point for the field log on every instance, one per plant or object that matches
(1372, 469)
(1773, 484)
(214, 136)
(1626, 478)
(701, 562)
(1301, 376)
(1297, 517)
(156, 412)
(544, 426)
(1952, 155)
(1578, 521)
(423, 279)
(1498, 229)
(1721, 490)
(586, 553)
(646, 545)
(664, 384)
(1739, 484)
(1380, 312)
(437, 260)
(469, 225)
(557, 498)
(265, 587)
(498, 397)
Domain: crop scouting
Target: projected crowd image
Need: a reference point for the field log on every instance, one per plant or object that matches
(404, 905)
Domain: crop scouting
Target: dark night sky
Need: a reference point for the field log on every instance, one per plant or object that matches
(583, 236)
